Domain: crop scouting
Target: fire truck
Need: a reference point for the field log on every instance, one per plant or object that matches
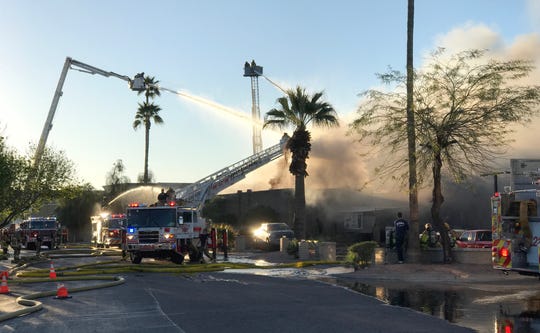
(515, 220)
(108, 229)
(171, 231)
(46, 227)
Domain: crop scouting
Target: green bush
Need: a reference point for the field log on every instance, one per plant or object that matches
(292, 248)
(360, 254)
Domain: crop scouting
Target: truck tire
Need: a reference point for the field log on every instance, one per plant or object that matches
(177, 258)
(135, 258)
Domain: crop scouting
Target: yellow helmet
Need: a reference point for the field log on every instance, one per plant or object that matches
(428, 226)
(447, 226)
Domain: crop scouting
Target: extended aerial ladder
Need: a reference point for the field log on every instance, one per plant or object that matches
(196, 194)
(136, 84)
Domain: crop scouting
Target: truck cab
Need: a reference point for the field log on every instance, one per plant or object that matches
(165, 232)
(44, 227)
(108, 229)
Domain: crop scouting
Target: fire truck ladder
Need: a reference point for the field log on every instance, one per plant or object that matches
(195, 194)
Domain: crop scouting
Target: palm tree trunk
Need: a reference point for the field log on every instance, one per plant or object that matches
(300, 207)
(414, 242)
(146, 148)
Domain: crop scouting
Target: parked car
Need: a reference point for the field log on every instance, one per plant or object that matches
(475, 239)
(269, 234)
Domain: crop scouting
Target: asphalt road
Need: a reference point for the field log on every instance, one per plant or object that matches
(221, 302)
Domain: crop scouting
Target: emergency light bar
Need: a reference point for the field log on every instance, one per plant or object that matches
(137, 204)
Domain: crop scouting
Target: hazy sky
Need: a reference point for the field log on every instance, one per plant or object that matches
(200, 47)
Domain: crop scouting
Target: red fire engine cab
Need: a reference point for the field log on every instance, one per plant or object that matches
(108, 229)
(45, 227)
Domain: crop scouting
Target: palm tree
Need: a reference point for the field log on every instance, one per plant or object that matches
(411, 138)
(297, 110)
(146, 113)
(151, 88)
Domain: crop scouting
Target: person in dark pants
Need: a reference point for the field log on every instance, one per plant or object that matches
(39, 242)
(203, 246)
(401, 226)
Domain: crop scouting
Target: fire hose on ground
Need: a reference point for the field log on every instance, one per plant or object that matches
(105, 270)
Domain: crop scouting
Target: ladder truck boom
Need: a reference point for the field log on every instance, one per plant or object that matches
(196, 194)
(136, 84)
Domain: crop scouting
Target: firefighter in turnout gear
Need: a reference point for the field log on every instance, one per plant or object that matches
(16, 244)
(4, 241)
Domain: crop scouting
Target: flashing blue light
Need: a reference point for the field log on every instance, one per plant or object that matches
(131, 230)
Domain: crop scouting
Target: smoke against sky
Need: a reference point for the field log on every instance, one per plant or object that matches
(335, 161)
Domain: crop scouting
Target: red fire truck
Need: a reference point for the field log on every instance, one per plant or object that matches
(46, 227)
(516, 220)
(108, 229)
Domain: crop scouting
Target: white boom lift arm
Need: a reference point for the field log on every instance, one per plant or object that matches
(136, 84)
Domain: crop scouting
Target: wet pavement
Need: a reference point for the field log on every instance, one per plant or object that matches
(473, 296)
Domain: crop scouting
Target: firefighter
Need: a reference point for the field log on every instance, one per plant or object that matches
(401, 227)
(451, 234)
(427, 237)
(203, 246)
(16, 244)
(4, 239)
(39, 242)
(162, 197)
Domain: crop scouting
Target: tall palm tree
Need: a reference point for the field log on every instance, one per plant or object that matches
(298, 109)
(146, 113)
(411, 138)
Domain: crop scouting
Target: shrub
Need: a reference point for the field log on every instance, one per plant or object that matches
(360, 254)
(292, 248)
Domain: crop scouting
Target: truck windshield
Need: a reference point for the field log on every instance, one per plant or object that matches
(114, 223)
(42, 225)
(151, 217)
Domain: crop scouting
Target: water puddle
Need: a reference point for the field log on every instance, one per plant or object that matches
(483, 311)
(486, 312)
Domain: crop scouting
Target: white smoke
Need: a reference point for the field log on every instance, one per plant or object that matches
(335, 161)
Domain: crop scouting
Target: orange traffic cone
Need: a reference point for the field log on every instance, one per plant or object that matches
(52, 273)
(62, 292)
(4, 288)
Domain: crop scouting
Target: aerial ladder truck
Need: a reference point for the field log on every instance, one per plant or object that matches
(171, 231)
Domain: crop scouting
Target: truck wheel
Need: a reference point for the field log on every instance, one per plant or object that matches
(135, 258)
(177, 258)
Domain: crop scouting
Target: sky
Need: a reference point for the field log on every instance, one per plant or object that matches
(199, 48)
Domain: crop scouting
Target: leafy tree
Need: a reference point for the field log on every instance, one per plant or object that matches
(149, 176)
(465, 106)
(260, 213)
(75, 209)
(215, 209)
(10, 166)
(146, 113)
(298, 109)
(116, 179)
(26, 186)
